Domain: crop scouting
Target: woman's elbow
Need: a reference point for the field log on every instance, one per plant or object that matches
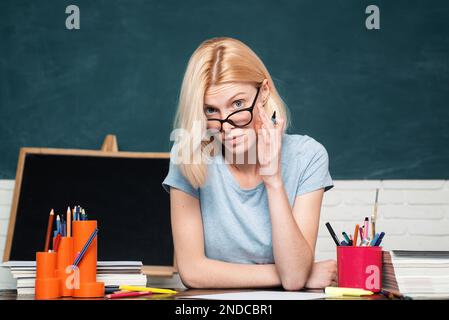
(294, 283)
(191, 278)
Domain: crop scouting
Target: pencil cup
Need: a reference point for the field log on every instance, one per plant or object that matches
(87, 267)
(47, 283)
(65, 258)
(360, 267)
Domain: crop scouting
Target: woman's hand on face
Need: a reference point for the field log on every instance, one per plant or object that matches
(323, 274)
(269, 145)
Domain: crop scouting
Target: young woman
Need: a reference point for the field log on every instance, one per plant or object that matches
(247, 216)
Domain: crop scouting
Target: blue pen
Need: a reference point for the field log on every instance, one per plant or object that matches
(373, 242)
(344, 243)
(379, 240)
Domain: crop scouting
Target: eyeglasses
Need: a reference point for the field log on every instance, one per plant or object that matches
(238, 119)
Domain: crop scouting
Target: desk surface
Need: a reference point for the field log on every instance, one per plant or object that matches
(182, 294)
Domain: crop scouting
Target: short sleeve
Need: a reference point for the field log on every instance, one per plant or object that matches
(177, 180)
(316, 173)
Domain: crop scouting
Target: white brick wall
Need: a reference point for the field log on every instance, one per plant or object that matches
(6, 191)
(413, 213)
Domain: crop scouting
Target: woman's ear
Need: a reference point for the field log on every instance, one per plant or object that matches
(265, 91)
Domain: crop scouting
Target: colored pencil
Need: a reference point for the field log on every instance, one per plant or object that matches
(127, 295)
(69, 222)
(356, 234)
(86, 246)
(56, 242)
(49, 229)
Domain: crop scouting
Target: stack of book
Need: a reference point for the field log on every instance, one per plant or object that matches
(112, 273)
(417, 274)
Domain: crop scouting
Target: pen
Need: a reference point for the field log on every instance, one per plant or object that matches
(373, 242)
(365, 230)
(346, 237)
(333, 235)
(273, 117)
(379, 240)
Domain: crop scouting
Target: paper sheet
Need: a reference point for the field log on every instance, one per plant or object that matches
(260, 295)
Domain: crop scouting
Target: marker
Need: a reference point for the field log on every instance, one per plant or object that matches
(379, 240)
(365, 231)
(346, 237)
(373, 242)
(339, 292)
(333, 235)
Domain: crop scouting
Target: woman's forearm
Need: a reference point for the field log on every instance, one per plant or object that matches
(209, 273)
(292, 254)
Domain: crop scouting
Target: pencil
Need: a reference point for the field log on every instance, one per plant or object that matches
(356, 234)
(86, 246)
(69, 222)
(49, 228)
(127, 295)
(374, 215)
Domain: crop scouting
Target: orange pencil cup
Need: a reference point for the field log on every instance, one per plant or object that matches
(65, 258)
(47, 283)
(360, 267)
(87, 268)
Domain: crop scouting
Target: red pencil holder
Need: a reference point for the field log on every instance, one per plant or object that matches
(360, 267)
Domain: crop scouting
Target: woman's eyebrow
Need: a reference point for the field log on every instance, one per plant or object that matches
(235, 95)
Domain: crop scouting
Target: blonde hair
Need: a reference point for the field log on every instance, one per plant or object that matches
(216, 61)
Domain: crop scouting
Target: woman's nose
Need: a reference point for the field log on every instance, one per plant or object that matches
(227, 126)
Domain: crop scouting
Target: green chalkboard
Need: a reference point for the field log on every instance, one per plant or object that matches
(377, 99)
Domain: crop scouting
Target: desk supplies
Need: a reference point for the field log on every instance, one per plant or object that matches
(46, 283)
(379, 240)
(339, 292)
(332, 233)
(49, 229)
(360, 267)
(91, 177)
(85, 247)
(127, 295)
(85, 241)
(145, 289)
(374, 215)
(356, 234)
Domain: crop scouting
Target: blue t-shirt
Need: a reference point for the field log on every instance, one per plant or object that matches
(236, 221)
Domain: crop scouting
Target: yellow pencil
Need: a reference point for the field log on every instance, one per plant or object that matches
(145, 289)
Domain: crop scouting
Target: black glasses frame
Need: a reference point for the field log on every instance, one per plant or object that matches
(250, 109)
